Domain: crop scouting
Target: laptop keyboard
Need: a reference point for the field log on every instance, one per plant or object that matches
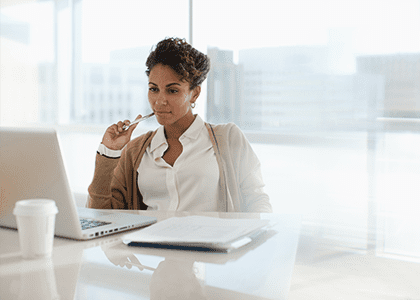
(90, 223)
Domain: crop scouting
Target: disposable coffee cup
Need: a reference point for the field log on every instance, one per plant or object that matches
(36, 223)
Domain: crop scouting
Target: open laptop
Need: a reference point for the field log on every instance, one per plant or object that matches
(31, 167)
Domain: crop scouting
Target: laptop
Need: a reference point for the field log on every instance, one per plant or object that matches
(31, 167)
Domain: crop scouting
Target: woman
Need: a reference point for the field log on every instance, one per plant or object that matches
(186, 164)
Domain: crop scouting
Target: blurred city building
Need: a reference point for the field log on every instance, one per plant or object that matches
(270, 89)
(289, 89)
(402, 82)
(224, 88)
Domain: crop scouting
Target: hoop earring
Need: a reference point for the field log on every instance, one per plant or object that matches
(193, 105)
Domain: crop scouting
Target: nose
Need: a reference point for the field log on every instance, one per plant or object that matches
(161, 99)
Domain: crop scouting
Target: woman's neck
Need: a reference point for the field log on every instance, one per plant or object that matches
(175, 130)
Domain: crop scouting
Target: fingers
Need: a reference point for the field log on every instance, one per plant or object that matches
(120, 125)
(115, 137)
(133, 125)
(118, 128)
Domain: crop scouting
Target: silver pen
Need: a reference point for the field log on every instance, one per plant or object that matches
(138, 120)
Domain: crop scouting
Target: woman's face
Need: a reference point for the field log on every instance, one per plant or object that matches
(169, 97)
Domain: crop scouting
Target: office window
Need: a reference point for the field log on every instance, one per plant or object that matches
(27, 39)
(310, 65)
(112, 42)
(328, 93)
(317, 86)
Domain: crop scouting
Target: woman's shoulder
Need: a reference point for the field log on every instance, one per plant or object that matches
(225, 128)
(229, 135)
(228, 130)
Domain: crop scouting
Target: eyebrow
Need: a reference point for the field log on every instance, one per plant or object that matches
(168, 85)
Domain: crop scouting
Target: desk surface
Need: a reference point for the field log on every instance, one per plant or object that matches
(289, 262)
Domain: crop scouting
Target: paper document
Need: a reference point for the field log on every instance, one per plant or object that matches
(199, 231)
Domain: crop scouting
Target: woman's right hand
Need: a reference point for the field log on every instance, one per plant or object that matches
(115, 137)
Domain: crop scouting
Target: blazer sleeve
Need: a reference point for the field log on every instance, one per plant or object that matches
(108, 189)
(114, 184)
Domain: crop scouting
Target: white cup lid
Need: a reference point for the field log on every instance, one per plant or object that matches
(35, 207)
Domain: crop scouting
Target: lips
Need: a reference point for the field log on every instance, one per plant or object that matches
(162, 113)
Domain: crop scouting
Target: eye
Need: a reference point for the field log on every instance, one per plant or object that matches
(153, 89)
(173, 91)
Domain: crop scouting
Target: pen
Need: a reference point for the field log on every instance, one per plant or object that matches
(139, 120)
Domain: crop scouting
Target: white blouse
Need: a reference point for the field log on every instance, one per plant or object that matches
(192, 183)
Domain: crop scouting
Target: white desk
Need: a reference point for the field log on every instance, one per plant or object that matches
(267, 269)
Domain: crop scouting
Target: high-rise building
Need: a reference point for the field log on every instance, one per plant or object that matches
(111, 92)
(297, 88)
(401, 73)
(47, 94)
(224, 88)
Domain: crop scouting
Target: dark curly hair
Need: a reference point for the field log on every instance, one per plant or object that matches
(192, 65)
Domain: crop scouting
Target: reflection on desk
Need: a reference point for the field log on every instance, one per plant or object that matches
(271, 268)
(107, 269)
